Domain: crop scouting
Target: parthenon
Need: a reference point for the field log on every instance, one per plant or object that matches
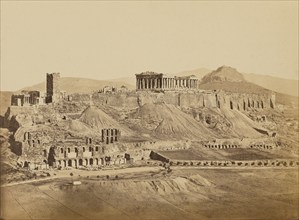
(159, 81)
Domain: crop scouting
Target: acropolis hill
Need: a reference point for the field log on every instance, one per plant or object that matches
(117, 126)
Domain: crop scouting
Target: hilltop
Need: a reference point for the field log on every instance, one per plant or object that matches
(223, 73)
(229, 79)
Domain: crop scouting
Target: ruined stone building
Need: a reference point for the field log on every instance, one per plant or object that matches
(53, 87)
(40, 152)
(158, 81)
(26, 98)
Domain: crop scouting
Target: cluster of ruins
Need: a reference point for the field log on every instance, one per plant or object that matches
(26, 98)
(53, 93)
(77, 152)
(72, 151)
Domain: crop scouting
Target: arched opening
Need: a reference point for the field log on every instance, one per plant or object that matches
(97, 148)
(271, 103)
(231, 105)
(248, 103)
(252, 104)
(75, 163)
(83, 149)
(69, 163)
(86, 161)
(45, 153)
(262, 104)
(97, 161)
(68, 150)
(107, 140)
(61, 150)
(26, 164)
(91, 161)
(64, 163)
(80, 162)
(45, 162)
(33, 143)
(257, 104)
(76, 151)
(90, 149)
(244, 105)
(111, 140)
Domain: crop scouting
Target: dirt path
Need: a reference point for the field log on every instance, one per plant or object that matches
(76, 172)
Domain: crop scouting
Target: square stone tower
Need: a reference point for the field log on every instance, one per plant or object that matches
(53, 87)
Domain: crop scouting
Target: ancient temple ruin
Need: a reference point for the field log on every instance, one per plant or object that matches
(159, 81)
(26, 98)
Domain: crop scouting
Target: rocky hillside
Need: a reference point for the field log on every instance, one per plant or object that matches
(222, 74)
(229, 79)
(167, 121)
(97, 119)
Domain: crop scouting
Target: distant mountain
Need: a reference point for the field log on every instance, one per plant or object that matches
(286, 86)
(222, 74)
(229, 79)
(80, 85)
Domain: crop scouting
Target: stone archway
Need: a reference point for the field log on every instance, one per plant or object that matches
(80, 162)
(91, 161)
(70, 163)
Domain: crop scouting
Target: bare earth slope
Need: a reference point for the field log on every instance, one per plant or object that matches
(169, 121)
(97, 119)
(242, 125)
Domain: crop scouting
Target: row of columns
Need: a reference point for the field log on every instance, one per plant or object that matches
(165, 83)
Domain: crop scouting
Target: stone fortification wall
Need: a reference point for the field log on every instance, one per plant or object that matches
(186, 99)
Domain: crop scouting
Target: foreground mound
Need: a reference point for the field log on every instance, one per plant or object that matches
(166, 120)
(242, 125)
(97, 119)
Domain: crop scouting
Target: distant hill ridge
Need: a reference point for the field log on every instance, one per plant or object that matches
(80, 85)
(223, 73)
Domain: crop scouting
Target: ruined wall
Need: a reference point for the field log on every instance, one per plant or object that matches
(198, 99)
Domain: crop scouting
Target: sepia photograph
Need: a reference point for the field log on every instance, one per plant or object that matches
(149, 110)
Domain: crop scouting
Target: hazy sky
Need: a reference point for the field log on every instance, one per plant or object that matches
(104, 40)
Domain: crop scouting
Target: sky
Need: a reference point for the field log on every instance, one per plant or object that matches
(107, 40)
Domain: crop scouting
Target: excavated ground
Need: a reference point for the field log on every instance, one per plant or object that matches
(181, 194)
